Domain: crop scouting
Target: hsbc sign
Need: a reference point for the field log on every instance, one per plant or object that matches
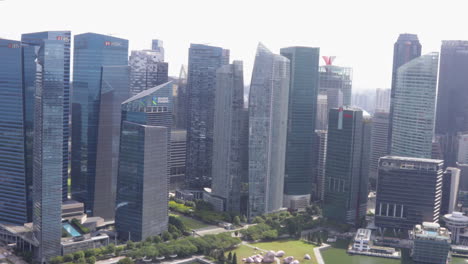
(64, 38)
(112, 44)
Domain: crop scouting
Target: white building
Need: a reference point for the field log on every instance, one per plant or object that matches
(362, 240)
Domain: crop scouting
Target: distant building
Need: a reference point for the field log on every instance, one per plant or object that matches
(379, 137)
(321, 122)
(337, 79)
(147, 70)
(362, 240)
(321, 161)
(268, 113)
(302, 112)
(456, 222)
(180, 104)
(201, 80)
(408, 192)
(413, 102)
(157, 45)
(382, 100)
(431, 244)
(228, 149)
(450, 183)
(177, 159)
(346, 175)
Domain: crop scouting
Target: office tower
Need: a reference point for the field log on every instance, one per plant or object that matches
(347, 159)
(227, 147)
(408, 192)
(382, 100)
(379, 137)
(452, 97)
(302, 111)
(48, 143)
(91, 53)
(405, 49)
(146, 70)
(462, 154)
(157, 45)
(338, 79)
(114, 90)
(321, 161)
(141, 209)
(143, 197)
(268, 114)
(450, 183)
(431, 244)
(180, 107)
(178, 152)
(15, 192)
(321, 122)
(364, 100)
(32, 42)
(413, 102)
(203, 62)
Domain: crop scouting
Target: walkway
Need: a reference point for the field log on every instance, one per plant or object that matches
(318, 254)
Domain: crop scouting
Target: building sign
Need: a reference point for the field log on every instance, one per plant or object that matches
(163, 100)
(64, 38)
(112, 44)
(14, 45)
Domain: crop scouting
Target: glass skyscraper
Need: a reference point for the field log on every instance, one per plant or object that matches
(414, 107)
(91, 53)
(268, 115)
(203, 62)
(337, 82)
(302, 112)
(146, 70)
(32, 42)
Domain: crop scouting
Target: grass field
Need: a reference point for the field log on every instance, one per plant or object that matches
(296, 248)
(190, 223)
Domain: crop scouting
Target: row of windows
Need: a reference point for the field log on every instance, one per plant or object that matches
(391, 210)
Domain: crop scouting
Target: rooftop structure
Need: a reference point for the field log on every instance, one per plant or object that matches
(456, 222)
(431, 243)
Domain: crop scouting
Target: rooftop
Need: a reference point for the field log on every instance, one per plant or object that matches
(431, 231)
(412, 159)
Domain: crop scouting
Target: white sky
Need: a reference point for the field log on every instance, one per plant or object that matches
(360, 33)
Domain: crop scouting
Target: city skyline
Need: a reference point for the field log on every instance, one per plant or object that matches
(377, 53)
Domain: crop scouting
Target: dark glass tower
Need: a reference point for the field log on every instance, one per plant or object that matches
(302, 111)
(406, 48)
(31, 42)
(203, 62)
(48, 138)
(452, 97)
(91, 52)
(15, 186)
(346, 173)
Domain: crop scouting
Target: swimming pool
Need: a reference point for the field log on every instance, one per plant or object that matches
(71, 230)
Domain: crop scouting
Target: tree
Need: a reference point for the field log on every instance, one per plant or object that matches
(236, 220)
(157, 239)
(91, 260)
(270, 234)
(229, 258)
(234, 259)
(319, 241)
(130, 244)
(244, 219)
(166, 236)
(89, 253)
(125, 261)
(78, 255)
(236, 233)
(56, 260)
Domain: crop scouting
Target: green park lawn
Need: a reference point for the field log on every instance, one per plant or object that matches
(190, 223)
(296, 248)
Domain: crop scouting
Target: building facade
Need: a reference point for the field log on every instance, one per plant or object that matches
(180, 104)
(91, 52)
(348, 148)
(450, 183)
(302, 112)
(321, 161)
(379, 137)
(178, 152)
(227, 168)
(338, 79)
(431, 244)
(413, 102)
(147, 70)
(203, 62)
(382, 100)
(268, 113)
(408, 192)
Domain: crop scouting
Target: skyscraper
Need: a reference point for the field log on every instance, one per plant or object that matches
(414, 107)
(180, 104)
(405, 49)
(408, 192)
(203, 62)
(382, 100)
(321, 122)
(379, 137)
(141, 209)
(146, 70)
(337, 80)
(91, 53)
(268, 114)
(321, 161)
(346, 163)
(32, 42)
(452, 97)
(450, 183)
(16, 187)
(302, 111)
(157, 45)
(178, 153)
(48, 138)
(227, 146)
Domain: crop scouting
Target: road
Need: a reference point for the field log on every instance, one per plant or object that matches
(217, 230)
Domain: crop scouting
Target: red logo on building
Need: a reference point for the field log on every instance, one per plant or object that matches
(107, 43)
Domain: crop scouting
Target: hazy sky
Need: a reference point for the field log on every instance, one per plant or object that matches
(360, 33)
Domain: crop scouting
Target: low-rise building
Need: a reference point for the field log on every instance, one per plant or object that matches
(431, 243)
(362, 240)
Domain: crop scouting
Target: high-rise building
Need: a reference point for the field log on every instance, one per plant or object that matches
(382, 100)
(452, 97)
(462, 155)
(157, 45)
(141, 209)
(203, 62)
(321, 122)
(379, 137)
(32, 42)
(348, 147)
(405, 49)
(408, 192)
(92, 53)
(450, 183)
(268, 114)
(48, 138)
(227, 146)
(431, 244)
(146, 70)
(178, 152)
(180, 103)
(302, 112)
(321, 161)
(413, 102)
(16, 187)
(114, 90)
(337, 78)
